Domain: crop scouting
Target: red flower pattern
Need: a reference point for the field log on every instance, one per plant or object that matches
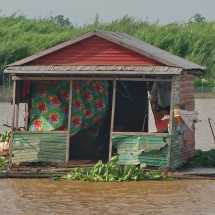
(98, 87)
(88, 114)
(78, 104)
(87, 96)
(42, 107)
(65, 94)
(89, 107)
(76, 120)
(38, 124)
(75, 87)
(42, 91)
(99, 104)
(55, 101)
(54, 118)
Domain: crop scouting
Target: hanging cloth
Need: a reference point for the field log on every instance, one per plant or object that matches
(188, 117)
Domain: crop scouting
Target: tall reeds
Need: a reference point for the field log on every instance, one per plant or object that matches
(21, 37)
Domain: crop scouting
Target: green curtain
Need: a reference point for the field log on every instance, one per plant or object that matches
(50, 102)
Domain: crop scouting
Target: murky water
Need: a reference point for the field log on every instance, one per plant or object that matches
(46, 197)
(32, 197)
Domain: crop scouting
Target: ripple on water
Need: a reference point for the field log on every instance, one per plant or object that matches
(46, 197)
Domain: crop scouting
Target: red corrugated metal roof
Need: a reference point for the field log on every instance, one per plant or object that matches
(126, 41)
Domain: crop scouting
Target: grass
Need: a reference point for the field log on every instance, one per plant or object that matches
(5, 94)
(204, 159)
(21, 37)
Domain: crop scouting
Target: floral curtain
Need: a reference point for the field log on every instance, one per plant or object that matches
(50, 102)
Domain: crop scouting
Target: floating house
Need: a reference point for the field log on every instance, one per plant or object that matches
(90, 97)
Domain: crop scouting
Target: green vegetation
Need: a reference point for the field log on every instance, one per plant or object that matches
(113, 172)
(204, 159)
(21, 37)
(3, 162)
(5, 93)
(5, 137)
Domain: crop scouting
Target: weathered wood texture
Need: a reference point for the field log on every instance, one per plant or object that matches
(112, 118)
(69, 122)
(142, 133)
(187, 102)
(175, 149)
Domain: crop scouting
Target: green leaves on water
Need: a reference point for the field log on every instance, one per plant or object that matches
(5, 137)
(112, 171)
(3, 162)
(204, 159)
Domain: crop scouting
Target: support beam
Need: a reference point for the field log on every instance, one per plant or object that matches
(14, 104)
(34, 78)
(12, 120)
(141, 133)
(171, 122)
(69, 123)
(16, 116)
(26, 116)
(112, 117)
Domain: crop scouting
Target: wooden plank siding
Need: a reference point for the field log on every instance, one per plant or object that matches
(187, 103)
(95, 51)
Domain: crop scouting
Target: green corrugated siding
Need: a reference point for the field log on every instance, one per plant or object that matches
(39, 147)
(152, 150)
(176, 147)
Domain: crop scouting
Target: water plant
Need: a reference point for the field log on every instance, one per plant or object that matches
(5, 137)
(204, 159)
(114, 172)
(3, 162)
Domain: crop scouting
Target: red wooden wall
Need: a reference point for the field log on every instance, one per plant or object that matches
(95, 51)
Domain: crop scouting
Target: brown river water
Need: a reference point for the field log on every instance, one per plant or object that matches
(41, 196)
(26, 197)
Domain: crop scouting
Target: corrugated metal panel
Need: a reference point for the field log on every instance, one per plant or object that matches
(154, 52)
(28, 147)
(151, 150)
(158, 158)
(176, 147)
(123, 40)
(187, 101)
(95, 51)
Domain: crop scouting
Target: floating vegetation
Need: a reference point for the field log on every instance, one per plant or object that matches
(3, 162)
(204, 159)
(113, 172)
(5, 137)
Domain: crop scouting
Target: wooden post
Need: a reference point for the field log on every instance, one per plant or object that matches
(12, 121)
(16, 116)
(171, 123)
(26, 116)
(112, 117)
(14, 104)
(69, 123)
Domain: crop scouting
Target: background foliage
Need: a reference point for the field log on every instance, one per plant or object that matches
(21, 37)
